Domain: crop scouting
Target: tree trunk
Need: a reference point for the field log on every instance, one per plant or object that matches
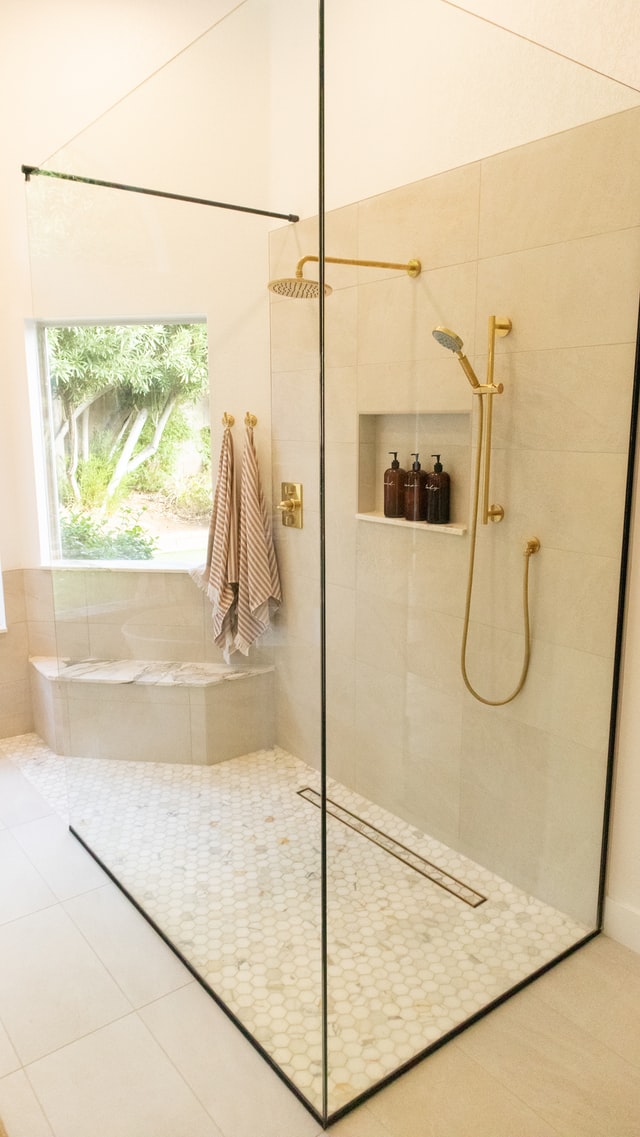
(72, 463)
(151, 449)
(122, 465)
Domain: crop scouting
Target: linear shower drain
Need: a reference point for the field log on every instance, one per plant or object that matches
(401, 852)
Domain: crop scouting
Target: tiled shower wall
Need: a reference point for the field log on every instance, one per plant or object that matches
(15, 698)
(119, 613)
(549, 235)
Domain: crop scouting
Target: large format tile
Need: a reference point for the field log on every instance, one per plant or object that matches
(117, 1082)
(449, 1095)
(218, 1063)
(587, 180)
(65, 865)
(8, 1058)
(19, 801)
(53, 988)
(567, 1076)
(139, 960)
(596, 990)
(22, 888)
(599, 272)
(20, 1109)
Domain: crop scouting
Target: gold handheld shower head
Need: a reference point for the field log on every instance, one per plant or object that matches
(446, 338)
(297, 287)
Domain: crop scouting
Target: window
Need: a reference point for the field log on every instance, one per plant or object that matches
(127, 440)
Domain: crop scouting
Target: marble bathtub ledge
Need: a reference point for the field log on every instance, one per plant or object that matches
(157, 672)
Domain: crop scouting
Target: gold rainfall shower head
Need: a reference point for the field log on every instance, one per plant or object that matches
(298, 288)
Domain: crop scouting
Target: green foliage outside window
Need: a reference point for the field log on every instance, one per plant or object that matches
(121, 396)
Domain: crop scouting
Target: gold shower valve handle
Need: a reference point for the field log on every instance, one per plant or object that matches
(495, 513)
(291, 504)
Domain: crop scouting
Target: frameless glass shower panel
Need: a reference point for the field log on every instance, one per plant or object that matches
(185, 742)
(465, 815)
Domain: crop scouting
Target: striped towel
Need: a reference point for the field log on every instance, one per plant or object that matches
(219, 575)
(258, 578)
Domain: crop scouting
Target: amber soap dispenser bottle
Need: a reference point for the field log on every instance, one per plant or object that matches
(415, 504)
(437, 494)
(394, 479)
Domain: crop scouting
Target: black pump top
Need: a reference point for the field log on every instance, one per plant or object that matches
(395, 465)
(416, 464)
(438, 464)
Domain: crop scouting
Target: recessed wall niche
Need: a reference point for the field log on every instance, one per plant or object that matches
(448, 435)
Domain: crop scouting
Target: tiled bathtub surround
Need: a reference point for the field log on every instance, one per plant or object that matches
(15, 697)
(225, 859)
(519, 788)
(121, 612)
(152, 710)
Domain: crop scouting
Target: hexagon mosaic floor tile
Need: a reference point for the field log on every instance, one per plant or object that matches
(226, 860)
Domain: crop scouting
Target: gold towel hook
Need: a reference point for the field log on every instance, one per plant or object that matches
(250, 420)
(227, 420)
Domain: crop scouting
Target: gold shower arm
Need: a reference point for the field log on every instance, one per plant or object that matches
(413, 267)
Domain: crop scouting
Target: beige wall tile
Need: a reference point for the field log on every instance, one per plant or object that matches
(558, 495)
(14, 596)
(381, 633)
(341, 404)
(14, 654)
(562, 587)
(433, 647)
(581, 181)
(294, 335)
(42, 638)
(396, 316)
(434, 220)
(340, 614)
(296, 461)
(575, 293)
(295, 407)
(39, 594)
(240, 717)
(577, 397)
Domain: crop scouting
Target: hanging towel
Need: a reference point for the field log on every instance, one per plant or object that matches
(219, 575)
(258, 578)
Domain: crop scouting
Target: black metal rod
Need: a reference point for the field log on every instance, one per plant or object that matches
(29, 170)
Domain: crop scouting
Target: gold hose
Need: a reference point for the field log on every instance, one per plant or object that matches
(532, 547)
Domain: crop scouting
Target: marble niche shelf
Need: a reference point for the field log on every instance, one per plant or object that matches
(453, 529)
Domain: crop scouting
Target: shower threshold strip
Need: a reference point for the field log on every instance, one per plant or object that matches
(414, 861)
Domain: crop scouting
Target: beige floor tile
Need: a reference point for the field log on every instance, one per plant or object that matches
(9, 1060)
(117, 1082)
(219, 1065)
(139, 960)
(20, 1110)
(360, 1123)
(567, 1076)
(22, 889)
(599, 992)
(65, 865)
(53, 988)
(450, 1095)
(18, 800)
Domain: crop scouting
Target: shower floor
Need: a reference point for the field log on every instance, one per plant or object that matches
(226, 861)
